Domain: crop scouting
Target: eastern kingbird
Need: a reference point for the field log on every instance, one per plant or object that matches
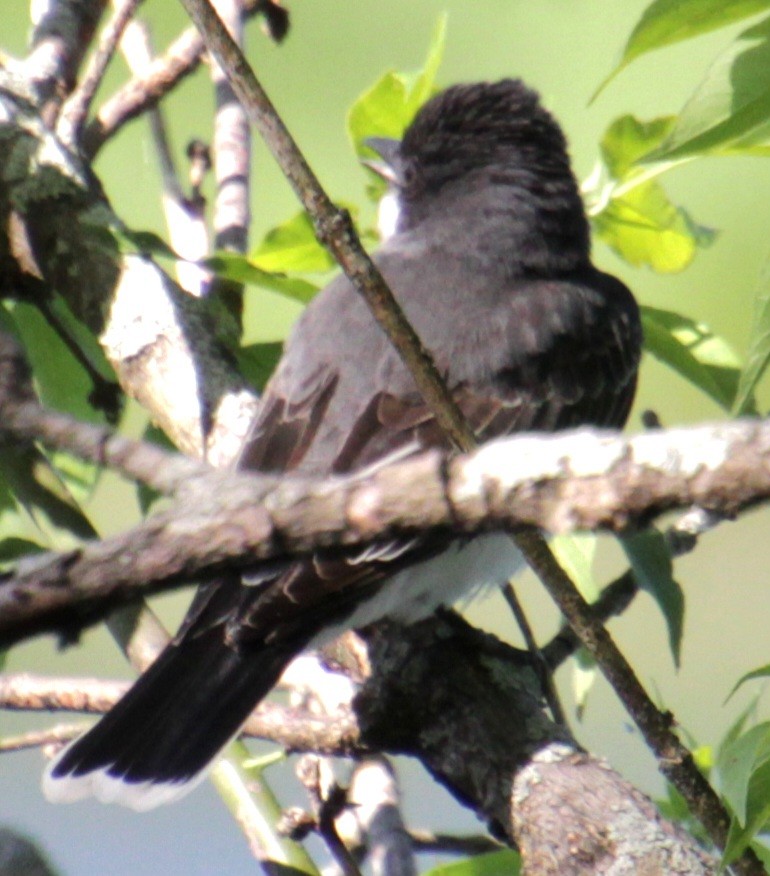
(490, 261)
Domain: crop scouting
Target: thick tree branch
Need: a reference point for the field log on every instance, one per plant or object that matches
(161, 342)
(444, 697)
(60, 39)
(469, 708)
(558, 483)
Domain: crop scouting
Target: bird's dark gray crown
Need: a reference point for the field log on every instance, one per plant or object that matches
(498, 139)
(482, 124)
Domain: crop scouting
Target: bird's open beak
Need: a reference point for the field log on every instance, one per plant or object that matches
(389, 150)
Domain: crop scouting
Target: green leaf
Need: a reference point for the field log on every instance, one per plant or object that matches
(423, 84)
(382, 111)
(387, 108)
(292, 247)
(145, 243)
(61, 380)
(758, 354)
(575, 554)
(666, 22)
(12, 549)
(729, 111)
(628, 139)
(737, 763)
(257, 362)
(645, 228)
(737, 728)
(35, 505)
(503, 863)
(240, 269)
(113, 237)
(760, 672)
(694, 351)
(745, 771)
(760, 850)
(650, 560)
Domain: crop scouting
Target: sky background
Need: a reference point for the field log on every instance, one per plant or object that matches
(564, 48)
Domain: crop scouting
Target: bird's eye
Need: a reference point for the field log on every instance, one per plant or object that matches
(410, 176)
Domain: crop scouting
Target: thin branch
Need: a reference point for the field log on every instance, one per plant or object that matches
(426, 841)
(231, 151)
(543, 668)
(180, 60)
(674, 759)
(136, 46)
(613, 601)
(333, 227)
(681, 538)
(56, 736)
(296, 729)
(376, 804)
(329, 801)
(151, 465)
(185, 216)
(75, 109)
(231, 147)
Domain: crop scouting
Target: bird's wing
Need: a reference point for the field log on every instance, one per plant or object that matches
(560, 354)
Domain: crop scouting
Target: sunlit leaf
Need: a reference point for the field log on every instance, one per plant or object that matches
(650, 560)
(241, 269)
(423, 84)
(694, 351)
(645, 228)
(666, 22)
(382, 111)
(729, 112)
(628, 139)
(292, 248)
(575, 554)
(385, 109)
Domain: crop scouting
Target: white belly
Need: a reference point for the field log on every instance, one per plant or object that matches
(462, 571)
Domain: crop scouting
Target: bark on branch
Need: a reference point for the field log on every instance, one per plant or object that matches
(579, 480)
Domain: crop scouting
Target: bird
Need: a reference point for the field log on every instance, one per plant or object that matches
(489, 257)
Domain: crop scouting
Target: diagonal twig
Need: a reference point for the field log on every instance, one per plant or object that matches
(74, 111)
(334, 229)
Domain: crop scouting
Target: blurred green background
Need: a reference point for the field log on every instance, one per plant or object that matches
(564, 48)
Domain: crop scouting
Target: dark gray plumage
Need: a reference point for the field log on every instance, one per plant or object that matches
(490, 262)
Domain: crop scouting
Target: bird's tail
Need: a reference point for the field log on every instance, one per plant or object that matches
(157, 742)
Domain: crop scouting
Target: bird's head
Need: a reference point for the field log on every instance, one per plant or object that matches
(491, 137)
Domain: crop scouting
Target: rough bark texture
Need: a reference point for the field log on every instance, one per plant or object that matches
(161, 342)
